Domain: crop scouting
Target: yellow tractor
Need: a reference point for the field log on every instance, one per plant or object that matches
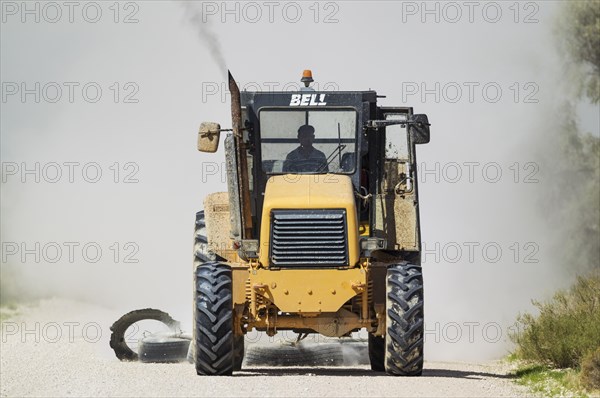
(318, 231)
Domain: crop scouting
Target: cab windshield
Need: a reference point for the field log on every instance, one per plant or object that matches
(308, 141)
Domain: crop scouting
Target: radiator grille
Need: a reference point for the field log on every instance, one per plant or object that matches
(309, 238)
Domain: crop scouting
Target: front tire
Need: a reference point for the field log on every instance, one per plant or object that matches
(404, 320)
(214, 350)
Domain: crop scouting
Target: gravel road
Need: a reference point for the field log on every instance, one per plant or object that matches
(60, 348)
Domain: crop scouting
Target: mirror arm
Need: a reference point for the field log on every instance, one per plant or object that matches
(210, 134)
(375, 124)
(242, 129)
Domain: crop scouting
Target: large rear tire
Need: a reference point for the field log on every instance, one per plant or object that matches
(214, 350)
(404, 320)
(202, 254)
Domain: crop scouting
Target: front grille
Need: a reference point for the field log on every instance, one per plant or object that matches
(309, 238)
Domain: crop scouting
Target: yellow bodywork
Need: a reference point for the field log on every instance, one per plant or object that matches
(308, 290)
(319, 191)
(305, 299)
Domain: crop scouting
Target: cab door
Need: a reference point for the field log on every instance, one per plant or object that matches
(396, 211)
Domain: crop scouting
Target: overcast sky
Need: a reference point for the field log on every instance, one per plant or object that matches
(121, 90)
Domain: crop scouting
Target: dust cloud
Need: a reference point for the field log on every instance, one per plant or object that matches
(125, 240)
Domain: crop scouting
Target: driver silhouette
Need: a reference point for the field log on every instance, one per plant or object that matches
(306, 158)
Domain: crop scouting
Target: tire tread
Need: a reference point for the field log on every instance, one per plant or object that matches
(404, 321)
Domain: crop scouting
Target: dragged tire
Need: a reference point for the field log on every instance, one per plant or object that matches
(213, 333)
(325, 354)
(119, 328)
(163, 349)
(404, 320)
(377, 352)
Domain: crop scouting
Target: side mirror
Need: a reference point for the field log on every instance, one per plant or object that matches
(208, 137)
(418, 129)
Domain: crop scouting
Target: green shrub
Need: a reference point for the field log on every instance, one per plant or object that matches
(566, 329)
(590, 370)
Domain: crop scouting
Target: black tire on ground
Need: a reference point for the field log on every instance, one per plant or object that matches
(301, 355)
(404, 320)
(213, 320)
(377, 352)
(117, 338)
(238, 352)
(163, 349)
(201, 255)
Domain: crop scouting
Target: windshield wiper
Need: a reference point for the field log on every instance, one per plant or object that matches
(338, 149)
